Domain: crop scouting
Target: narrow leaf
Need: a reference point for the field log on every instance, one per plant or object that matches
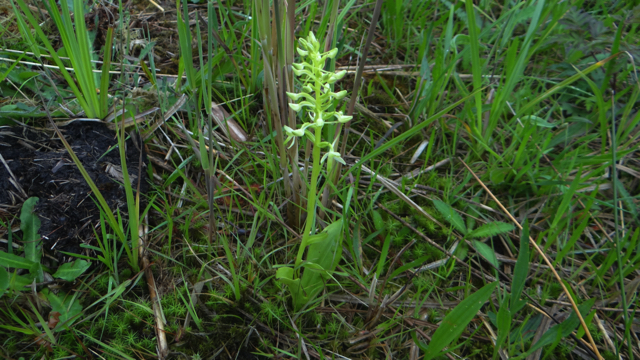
(521, 270)
(30, 224)
(504, 324)
(415, 263)
(383, 255)
(456, 321)
(377, 220)
(564, 329)
(4, 281)
(104, 78)
(15, 261)
(567, 199)
(487, 252)
(491, 229)
(451, 216)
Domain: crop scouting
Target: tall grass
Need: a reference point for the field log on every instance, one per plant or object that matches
(93, 91)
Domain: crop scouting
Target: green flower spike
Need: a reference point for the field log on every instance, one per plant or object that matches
(316, 92)
(324, 248)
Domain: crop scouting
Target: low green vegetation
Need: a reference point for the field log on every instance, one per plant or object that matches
(351, 179)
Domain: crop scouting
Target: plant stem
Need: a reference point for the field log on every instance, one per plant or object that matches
(315, 173)
(311, 196)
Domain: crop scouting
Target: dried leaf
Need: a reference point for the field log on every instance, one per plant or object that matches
(228, 125)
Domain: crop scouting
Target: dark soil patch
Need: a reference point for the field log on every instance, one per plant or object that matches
(43, 168)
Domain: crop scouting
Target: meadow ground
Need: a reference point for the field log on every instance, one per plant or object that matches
(213, 180)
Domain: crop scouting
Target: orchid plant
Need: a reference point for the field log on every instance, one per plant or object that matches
(315, 101)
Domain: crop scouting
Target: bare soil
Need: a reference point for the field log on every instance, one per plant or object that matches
(42, 167)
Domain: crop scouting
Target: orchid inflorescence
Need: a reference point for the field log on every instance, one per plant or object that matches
(316, 95)
(323, 249)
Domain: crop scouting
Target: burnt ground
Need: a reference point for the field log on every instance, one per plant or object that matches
(43, 168)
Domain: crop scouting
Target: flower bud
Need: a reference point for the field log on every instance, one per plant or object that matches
(332, 53)
(291, 132)
(295, 107)
(340, 94)
(342, 118)
(339, 75)
(313, 41)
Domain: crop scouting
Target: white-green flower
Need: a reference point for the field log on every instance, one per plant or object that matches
(317, 95)
(343, 118)
(295, 107)
(320, 121)
(340, 95)
(333, 155)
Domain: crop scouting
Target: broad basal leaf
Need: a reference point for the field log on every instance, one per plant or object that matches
(286, 276)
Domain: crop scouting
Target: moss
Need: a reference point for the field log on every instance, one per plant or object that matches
(555, 289)
(125, 274)
(102, 283)
(229, 291)
(148, 344)
(130, 338)
(60, 352)
(272, 312)
(429, 226)
(122, 328)
(332, 327)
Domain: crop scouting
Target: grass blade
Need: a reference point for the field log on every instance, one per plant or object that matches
(456, 321)
(30, 224)
(521, 271)
(475, 64)
(104, 78)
